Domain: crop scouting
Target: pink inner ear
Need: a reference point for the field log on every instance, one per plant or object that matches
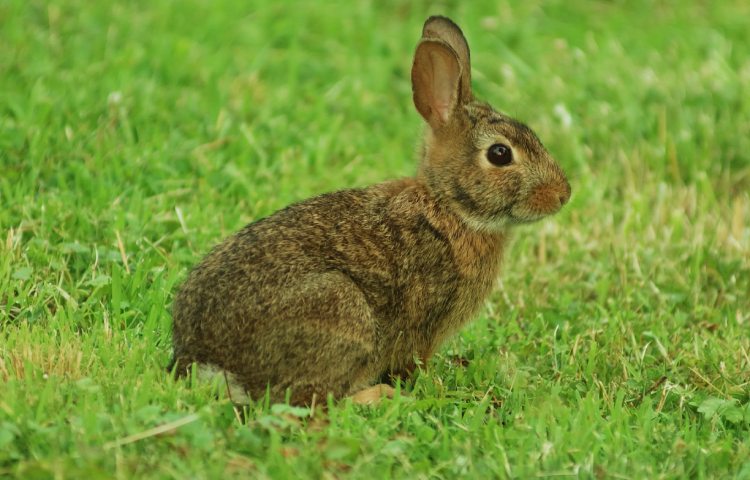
(435, 81)
(444, 82)
(443, 109)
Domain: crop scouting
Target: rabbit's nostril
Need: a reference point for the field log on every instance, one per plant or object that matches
(564, 197)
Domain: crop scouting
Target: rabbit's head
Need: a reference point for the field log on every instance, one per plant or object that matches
(488, 167)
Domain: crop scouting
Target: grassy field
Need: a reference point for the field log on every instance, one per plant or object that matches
(136, 135)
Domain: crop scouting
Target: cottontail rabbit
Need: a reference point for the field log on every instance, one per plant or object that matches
(336, 293)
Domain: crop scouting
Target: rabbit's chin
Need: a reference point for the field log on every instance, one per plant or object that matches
(526, 219)
(522, 213)
(491, 225)
(504, 223)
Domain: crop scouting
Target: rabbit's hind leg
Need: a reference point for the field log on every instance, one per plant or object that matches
(324, 342)
(373, 395)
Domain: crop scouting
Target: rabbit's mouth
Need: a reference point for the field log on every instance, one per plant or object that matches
(544, 200)
(529, 212)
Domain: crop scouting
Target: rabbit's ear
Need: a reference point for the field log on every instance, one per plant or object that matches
(435, 81)
(443, 28)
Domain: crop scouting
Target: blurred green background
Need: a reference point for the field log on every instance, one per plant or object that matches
(136, 135)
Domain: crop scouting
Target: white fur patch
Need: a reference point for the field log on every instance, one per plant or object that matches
(499, 225)
(221, 379)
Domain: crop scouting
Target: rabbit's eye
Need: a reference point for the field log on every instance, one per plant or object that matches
(499, 155)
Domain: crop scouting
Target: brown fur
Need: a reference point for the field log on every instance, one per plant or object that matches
(336, 292)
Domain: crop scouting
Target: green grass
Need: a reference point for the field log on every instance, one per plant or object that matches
(135, 136)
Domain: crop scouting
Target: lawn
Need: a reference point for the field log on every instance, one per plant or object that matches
(136, 135)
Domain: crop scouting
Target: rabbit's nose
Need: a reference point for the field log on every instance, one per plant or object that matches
(564, 196)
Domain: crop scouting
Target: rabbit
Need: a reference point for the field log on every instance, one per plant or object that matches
(345, 292)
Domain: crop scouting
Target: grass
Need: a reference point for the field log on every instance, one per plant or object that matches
(136, 135)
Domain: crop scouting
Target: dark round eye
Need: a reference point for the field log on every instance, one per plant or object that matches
(499, 155)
